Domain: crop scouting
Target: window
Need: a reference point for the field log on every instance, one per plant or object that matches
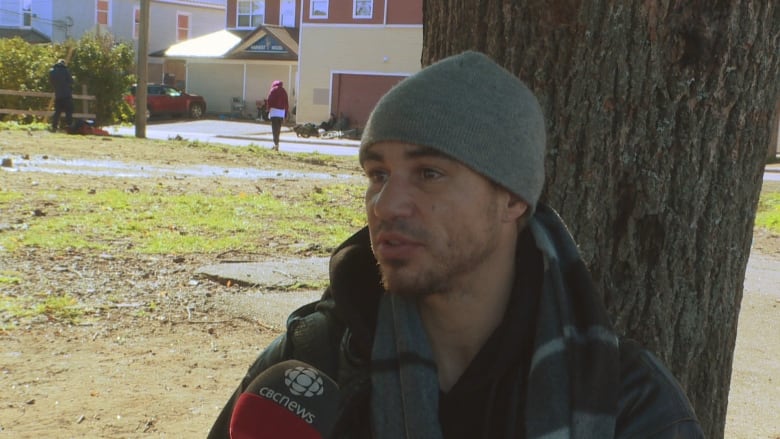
(287, 13)
(27, 15)
(266, 44)
(136, 22)
(182, 26)
(103, 12)
(319, 9)
(250, 13)
(362, 8)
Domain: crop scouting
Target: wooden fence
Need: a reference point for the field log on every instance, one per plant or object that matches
(83, 97)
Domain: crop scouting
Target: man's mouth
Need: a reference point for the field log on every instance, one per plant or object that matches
(394, 246)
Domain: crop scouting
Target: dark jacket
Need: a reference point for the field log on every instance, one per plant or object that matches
(62, 81)
(335, 335)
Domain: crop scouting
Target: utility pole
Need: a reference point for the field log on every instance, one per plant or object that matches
(140, 88)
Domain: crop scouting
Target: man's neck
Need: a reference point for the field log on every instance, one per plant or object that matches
(458, 323)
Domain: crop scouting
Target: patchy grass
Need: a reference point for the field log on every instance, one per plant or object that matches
(18, 126)
(9, 279)
(159, 223)
(768, 213)
(57, 307)
(324, 161)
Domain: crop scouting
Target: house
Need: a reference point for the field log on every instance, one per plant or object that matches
(352, 52)
(234, 67)
(334, 56)
(34, 21)
(171, 21)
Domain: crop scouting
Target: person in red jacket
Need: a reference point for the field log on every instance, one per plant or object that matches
(278, 107)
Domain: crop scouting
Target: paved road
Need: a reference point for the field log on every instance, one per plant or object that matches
(259, 133)
(772, 172)
(239, 134)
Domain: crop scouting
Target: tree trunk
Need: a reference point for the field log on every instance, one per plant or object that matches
(659, 114)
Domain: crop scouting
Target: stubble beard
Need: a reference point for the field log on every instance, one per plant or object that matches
(457, 260)
(409, 285)
(448, 263)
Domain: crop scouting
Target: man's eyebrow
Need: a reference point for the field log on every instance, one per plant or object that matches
(425, 151)
(416, 152)
(372, 155)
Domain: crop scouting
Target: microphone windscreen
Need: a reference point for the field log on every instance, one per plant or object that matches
(288, 400)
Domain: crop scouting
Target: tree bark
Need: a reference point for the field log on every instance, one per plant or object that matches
(659, 114)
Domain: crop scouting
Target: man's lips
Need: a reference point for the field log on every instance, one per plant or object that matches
(389, 245)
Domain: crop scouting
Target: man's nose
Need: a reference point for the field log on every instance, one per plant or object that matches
(393, 200)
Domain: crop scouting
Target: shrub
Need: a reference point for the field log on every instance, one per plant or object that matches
(104, 65)
(24, 67)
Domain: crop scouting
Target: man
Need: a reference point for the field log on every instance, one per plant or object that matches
(463, 310)
(62, 81)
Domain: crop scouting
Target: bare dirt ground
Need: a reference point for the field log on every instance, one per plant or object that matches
(129, 372)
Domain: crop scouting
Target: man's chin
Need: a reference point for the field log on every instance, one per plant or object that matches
(405, 281)
(396, 280)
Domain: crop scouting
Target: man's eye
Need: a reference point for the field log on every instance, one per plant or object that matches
(376, 176)
(429, 174)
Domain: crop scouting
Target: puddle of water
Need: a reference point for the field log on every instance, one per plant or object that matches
(111, 168)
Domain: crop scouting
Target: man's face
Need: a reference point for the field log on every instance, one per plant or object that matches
(433, 221)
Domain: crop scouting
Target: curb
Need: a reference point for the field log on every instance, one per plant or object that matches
(274, 273)
(295, 139)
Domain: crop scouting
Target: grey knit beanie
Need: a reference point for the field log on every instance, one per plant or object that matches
(473, 110)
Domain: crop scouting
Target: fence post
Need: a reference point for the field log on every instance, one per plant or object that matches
(84, 105)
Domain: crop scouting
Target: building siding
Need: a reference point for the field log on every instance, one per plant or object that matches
(373, 50)
(259, 76)
(384, 12)
(63, 19)
(272, 13)
(405, 12)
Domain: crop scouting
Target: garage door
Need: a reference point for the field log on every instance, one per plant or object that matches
(355, 95)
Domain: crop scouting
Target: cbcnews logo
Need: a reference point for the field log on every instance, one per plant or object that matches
(304, 381)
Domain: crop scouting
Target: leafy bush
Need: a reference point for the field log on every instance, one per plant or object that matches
(104, 65)
(24, 67)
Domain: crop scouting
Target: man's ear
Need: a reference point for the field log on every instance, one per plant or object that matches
(515, 208)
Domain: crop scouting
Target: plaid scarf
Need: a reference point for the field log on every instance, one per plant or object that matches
(573, 381)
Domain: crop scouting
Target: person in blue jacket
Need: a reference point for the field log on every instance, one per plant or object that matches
(62, 82)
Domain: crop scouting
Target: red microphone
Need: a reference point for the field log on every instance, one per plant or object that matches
(290, 399)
